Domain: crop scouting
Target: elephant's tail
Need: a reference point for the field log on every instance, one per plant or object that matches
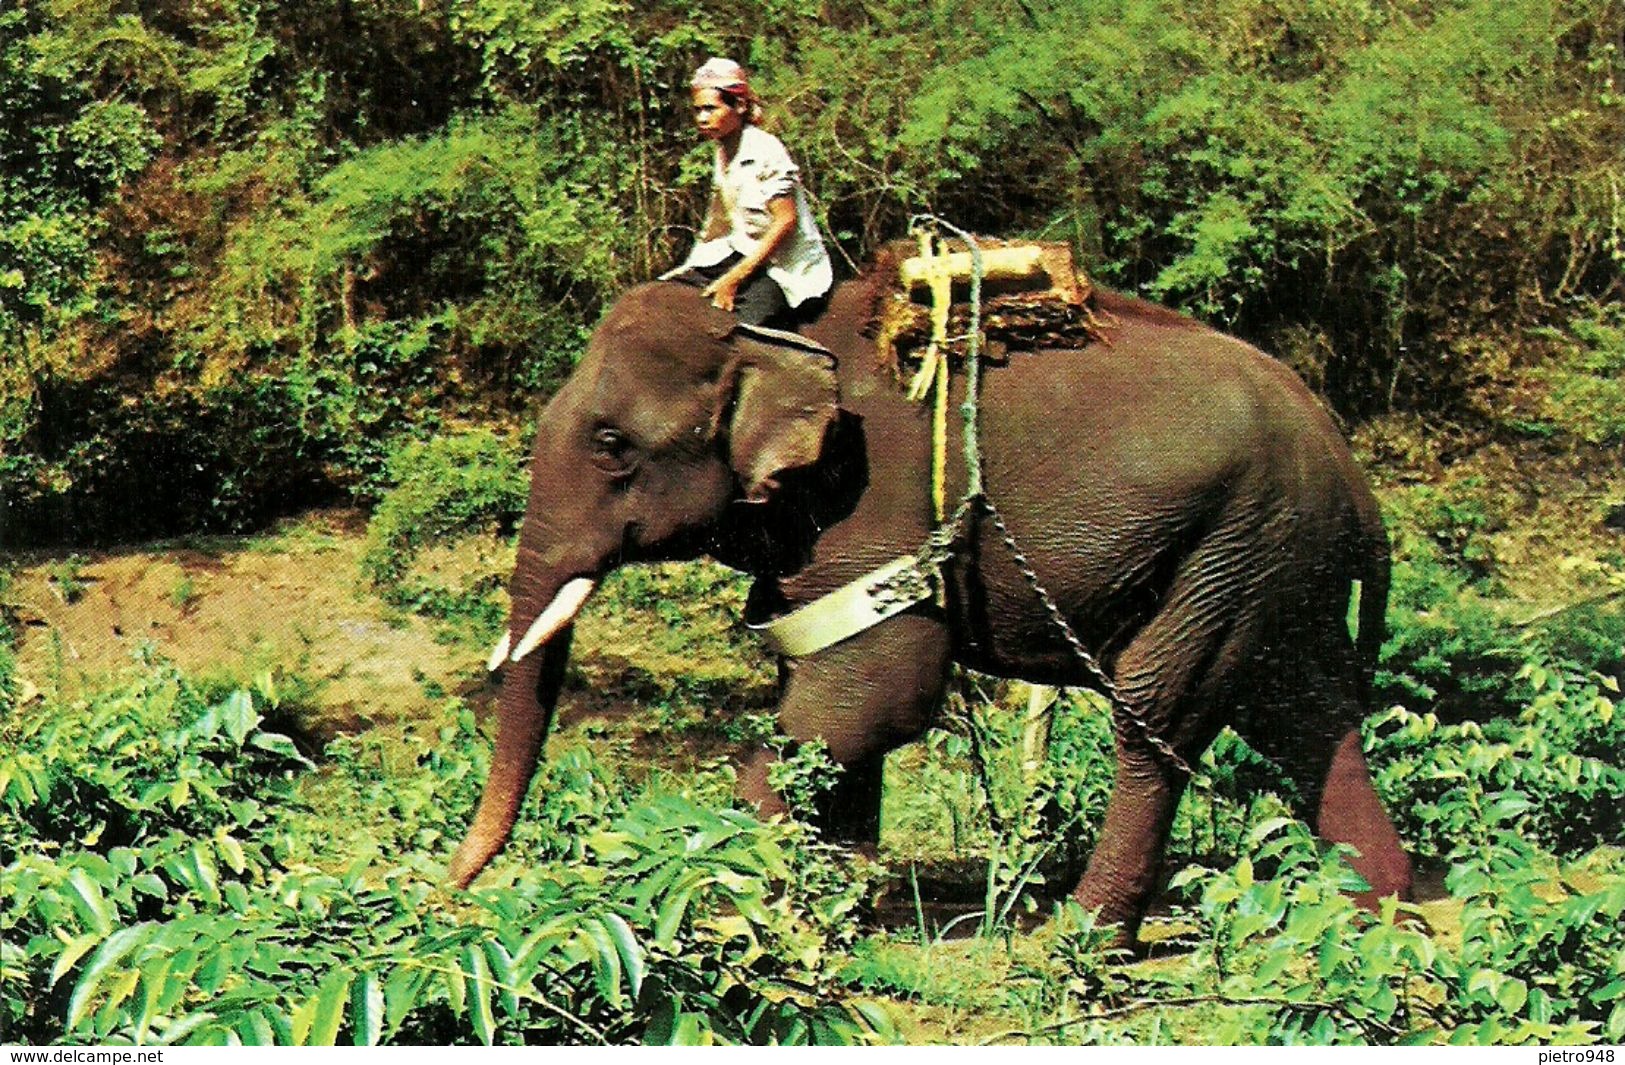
(1374, 569)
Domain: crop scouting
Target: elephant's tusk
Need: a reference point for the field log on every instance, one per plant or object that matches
(559, 613)
(499, 653)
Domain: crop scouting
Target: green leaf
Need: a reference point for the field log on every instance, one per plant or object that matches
(631, 953)
(300, 1022)
(75, 949)
(236, 896)
(231, 852)
(276, 743)
(606, 961)
(1273, 966)
(154, 980)
(1511, 995)
(183, 965)
(204, 877)
(877, 1017)
(328, 1014)
(506, 974)
(366, 1009)
(175, 1032)
(1509, 805)
(688, 1032)
(115, 948)
(90, 902)
(238, 716)
(122, 987)
(1540, 1006)
(1382, 1002)
(479, 993)
(456, 988)
(401, 993)
(670, 915)
(256, 1031)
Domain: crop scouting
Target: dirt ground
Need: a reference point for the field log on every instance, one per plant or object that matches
(294, 599)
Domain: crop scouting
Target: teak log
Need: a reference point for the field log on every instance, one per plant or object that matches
(1021, 263)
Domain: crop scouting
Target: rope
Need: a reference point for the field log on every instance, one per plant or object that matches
(946, 533)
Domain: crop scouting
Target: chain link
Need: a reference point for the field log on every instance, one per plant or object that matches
(1107, 685)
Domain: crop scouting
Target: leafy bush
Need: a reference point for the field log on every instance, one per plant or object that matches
(1447, 642)
(1559, 760)
(1538, 961)
(1587, 386)
(455, 486)
(157, 891)
(1321, 163)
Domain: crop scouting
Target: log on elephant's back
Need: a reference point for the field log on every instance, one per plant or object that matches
(1033, 297)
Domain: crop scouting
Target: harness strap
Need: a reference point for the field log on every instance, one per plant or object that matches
(855, 607)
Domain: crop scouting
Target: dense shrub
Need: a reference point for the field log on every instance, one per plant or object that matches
(466, 482)
(1564, 746)
(397, 211)
(1538, 960)
(158, 888)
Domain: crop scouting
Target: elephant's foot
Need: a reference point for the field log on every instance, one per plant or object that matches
(1125, 868)
(1113, 914)
(1351, 813)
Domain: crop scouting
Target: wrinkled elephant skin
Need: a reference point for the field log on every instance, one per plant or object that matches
(1189, 505)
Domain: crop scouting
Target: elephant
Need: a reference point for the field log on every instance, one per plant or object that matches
(1186, 502)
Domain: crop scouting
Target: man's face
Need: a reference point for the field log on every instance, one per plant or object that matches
(712, 116)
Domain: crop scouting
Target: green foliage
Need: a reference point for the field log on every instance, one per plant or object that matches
(803, 776)
(157, 892)
(1329, 973)
(8, 637)
(1456, 638)
(1563, 746)
(67, 152)
(1320, 162)
(487, 229)
(147, 761)
(352, 223)
(460, 483)
(1447, 641)
(1587, 384)
(67, 579)
(462, 490)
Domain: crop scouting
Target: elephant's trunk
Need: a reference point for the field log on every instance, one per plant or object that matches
(530, 691)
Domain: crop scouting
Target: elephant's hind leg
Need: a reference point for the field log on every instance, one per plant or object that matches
(1350, 812)
(1172, 675)
(1322, 756)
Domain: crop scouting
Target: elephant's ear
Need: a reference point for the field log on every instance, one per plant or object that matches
(784, 396)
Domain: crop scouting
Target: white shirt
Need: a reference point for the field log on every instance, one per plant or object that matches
(761, 171)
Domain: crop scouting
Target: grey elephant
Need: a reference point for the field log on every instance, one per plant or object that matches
(1192, 511)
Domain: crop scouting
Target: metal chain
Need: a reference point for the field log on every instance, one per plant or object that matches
(939, 546)
(1107, 685)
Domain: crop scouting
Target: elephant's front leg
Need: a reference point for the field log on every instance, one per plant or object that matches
(863, 698)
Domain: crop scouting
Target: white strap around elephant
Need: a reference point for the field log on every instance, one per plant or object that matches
(859, 605)
(883, 592)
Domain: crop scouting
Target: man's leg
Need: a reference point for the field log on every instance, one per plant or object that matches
(760, 301)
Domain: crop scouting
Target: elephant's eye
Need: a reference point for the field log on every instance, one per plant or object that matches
(612, 451)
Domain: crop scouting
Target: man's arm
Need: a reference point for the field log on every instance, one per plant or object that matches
(723, 290)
